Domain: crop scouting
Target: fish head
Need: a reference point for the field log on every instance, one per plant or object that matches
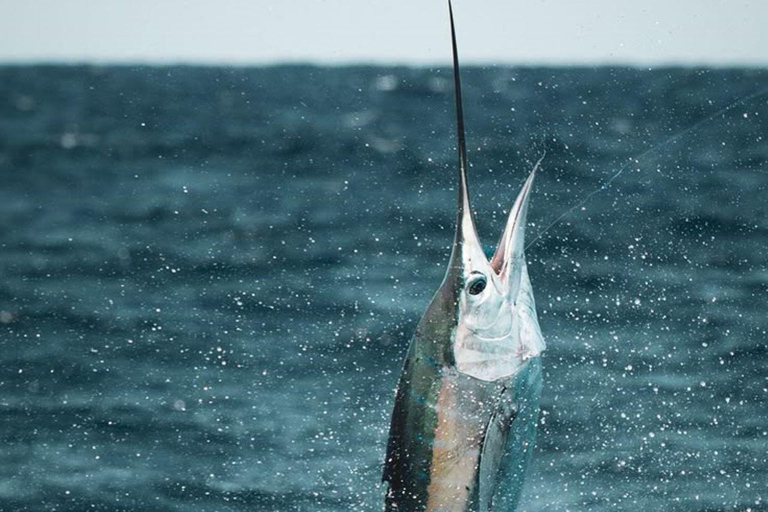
(492, 301)
(483, 319)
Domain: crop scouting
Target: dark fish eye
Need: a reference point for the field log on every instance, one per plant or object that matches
(477, 286)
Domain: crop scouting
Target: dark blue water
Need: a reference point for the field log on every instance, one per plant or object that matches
(210, 276)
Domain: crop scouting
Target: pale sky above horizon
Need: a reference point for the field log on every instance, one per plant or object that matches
(647, 32)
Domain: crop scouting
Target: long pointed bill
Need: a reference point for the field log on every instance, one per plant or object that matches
(466, 245)
(509, 259)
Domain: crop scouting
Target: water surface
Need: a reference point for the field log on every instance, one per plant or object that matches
(210, 277)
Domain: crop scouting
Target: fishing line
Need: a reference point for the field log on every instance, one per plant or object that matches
(645, 153)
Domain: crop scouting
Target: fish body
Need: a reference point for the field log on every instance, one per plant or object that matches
(467, 402)
(458, 443)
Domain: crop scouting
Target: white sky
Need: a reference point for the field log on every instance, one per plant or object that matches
(717, 32)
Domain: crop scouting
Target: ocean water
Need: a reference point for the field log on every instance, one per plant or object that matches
(210, 277)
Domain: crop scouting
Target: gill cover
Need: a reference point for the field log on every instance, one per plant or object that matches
(496, 324)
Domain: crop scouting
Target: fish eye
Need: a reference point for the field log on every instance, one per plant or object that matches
(477, 285)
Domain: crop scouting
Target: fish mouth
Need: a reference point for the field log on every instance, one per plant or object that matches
(511, 246)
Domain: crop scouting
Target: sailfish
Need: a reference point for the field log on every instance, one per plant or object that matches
(467, 402)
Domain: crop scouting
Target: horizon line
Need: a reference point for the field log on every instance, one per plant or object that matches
(382, 63)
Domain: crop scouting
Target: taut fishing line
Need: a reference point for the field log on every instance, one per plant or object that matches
(645, 153)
